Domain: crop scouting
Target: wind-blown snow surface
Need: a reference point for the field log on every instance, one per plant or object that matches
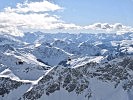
(62, 66)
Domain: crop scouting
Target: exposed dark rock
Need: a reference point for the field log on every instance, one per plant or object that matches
(6, 85)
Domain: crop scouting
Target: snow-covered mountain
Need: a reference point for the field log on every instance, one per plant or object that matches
(62, 66)
(50, 55)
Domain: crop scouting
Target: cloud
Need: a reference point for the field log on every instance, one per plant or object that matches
(36, 16)
(34, 7)
(117, 27)
(30, 17)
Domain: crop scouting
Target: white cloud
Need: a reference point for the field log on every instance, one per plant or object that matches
(29, 16)
(117, 27)
(14, 20)
(34, 7)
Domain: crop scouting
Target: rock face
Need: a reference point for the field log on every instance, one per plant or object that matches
(6, 85)
(77, 80)
(67, 78)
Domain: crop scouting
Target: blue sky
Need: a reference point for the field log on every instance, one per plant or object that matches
(91, 11)
(85, 12)
(6, 3)
(106, 15)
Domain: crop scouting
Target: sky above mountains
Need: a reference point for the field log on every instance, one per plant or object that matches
(17, 16)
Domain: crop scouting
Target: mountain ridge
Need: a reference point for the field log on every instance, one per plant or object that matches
(74, 66)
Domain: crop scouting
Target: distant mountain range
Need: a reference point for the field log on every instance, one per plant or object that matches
(64, 66)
